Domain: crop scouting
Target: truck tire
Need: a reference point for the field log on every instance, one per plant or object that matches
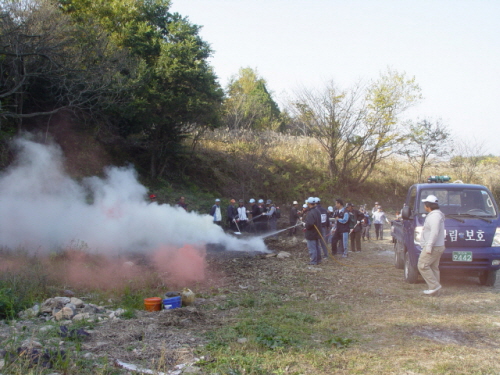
(488, 278)
(399, 261)
(411, 272)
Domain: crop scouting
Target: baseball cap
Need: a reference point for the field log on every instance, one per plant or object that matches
(330, 208)
(317, 199)
(269, 201)
(152, 196)
(431, 199)
(349, 205)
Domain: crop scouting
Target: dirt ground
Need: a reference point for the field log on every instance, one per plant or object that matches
(176, 334)
(366, 281)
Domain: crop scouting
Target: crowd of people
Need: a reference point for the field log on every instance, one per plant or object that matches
(260, 217)
(341, 227)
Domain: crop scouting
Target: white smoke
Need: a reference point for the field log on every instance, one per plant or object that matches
(42, 208)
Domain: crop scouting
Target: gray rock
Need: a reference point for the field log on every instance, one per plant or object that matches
(30, 343)
(77, 302)
(89, 308)
(49, 305)
(81, 316)
(46, 328)
(119, 312)
(63, 300)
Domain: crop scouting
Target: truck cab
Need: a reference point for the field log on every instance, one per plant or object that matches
(472, 231)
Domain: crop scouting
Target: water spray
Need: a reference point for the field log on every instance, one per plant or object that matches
(279, 231)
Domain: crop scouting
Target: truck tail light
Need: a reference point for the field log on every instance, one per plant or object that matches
(418, 235)
(496, 238)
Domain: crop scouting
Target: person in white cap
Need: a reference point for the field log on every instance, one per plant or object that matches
(242, 215)
(379, 219)
(254, 211)
(325, 227)
(312, 232)
(216, 213)
(432, 243)
(293, 218)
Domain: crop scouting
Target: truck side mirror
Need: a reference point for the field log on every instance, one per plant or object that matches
(406, 213)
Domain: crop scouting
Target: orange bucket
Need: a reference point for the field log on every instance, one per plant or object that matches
(152, 304)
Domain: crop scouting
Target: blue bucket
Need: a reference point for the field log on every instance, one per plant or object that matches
(172, 303)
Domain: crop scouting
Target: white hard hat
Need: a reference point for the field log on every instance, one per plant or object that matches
(304, 205)
(330, 208)
(311, 200)
(261, 200)
(251, 201)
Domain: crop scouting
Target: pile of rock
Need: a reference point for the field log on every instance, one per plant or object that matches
(66, 308)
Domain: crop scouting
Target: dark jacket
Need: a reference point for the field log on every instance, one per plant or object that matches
(313, 224)
(293, 215)
(342, 215)
(255, 211)
(232, 212)
(354, 217)
(324, 216)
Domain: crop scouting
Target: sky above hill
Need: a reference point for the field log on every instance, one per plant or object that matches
(451, 47)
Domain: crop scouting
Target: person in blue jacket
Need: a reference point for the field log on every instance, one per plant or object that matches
(342, 229)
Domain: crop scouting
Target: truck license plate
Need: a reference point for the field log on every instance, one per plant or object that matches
(462, 256)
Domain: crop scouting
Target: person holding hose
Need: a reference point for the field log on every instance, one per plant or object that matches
(270, 215)
(432, 243)
(313, 231)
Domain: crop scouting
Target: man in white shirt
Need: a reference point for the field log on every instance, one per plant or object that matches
(242, 218)
(432, 243)
(216, 213)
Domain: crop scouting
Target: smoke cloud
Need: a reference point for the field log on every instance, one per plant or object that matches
(42, 208)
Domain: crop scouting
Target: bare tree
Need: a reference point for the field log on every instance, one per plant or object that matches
(356, 127)
(424, 143)
(467, 158)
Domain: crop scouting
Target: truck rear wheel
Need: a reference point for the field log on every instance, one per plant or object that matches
(488, 278)
(399, 261)
(411, 272)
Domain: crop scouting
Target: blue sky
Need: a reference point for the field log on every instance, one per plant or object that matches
(451, 47)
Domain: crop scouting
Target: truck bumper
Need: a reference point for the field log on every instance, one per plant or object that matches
(482, 259)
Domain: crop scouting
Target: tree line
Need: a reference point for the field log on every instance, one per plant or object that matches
(141, 72)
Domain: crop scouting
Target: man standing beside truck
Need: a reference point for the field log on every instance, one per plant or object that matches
(432, 243)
